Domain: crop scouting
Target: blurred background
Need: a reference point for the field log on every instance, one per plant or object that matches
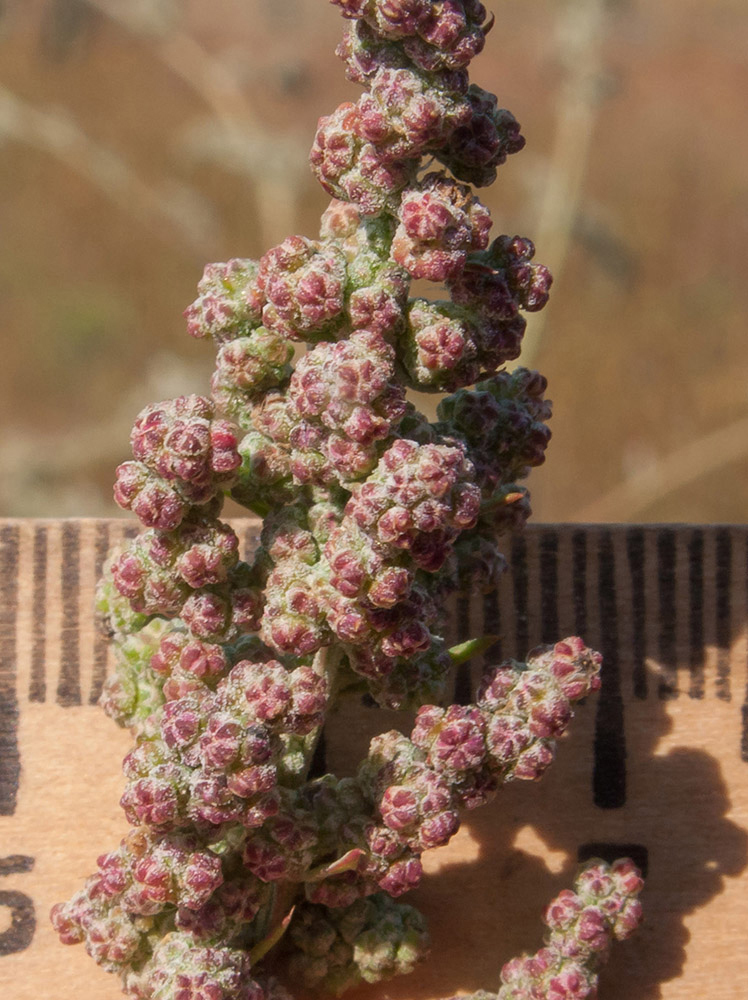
(141, 138)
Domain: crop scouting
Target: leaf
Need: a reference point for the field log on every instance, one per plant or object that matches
(473, 647)
(270, 940)
(348, 862)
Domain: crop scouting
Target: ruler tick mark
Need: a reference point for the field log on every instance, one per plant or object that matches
(463, 690)
(609, 771)
(549, 587)
(579, 581)
(696, 613)
(38, 683)
(636, 555)
(723, 616)
(666, 562)
(101, 642)
(520, 585)
(68, 686)
(10, 756)
(492, 626)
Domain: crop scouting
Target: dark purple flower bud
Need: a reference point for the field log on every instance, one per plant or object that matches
(563, 911)
(294, 617)
(482, 143)
(266, 861)
(352, 8)
(418, 499)
(402, 876)
(364, 52)
(407, 640)
(384, 842)
(530, 283)
(451, 36)
(200, 659)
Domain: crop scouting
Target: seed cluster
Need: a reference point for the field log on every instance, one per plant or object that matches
(372, 514)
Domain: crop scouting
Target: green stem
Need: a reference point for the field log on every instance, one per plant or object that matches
(276, 916)
(326, 662)
(278, 929)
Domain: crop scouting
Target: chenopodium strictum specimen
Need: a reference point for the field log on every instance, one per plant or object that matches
(372, 515)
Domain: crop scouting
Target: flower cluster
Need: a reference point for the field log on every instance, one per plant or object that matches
(240, 849)
(184, 458)
(372, 939)
(193, 574)
(603, 906)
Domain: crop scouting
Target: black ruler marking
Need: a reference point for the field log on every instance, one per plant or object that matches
(10, 757)
(38, 682)
(492, 626)
(666, 562)
(579, 581)
(463, 690)
(101, 642)
(16, 864)
(609, 769)
(636, 555)
(549, 626)
(19, 935)
(69, 683)
(744, 731)
(521, 592)
(696, 613)
(68, 692)
(722, 623)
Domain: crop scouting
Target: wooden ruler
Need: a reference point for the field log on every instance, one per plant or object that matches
(656, 765)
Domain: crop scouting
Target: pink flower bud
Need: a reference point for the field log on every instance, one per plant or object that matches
(440, 223)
